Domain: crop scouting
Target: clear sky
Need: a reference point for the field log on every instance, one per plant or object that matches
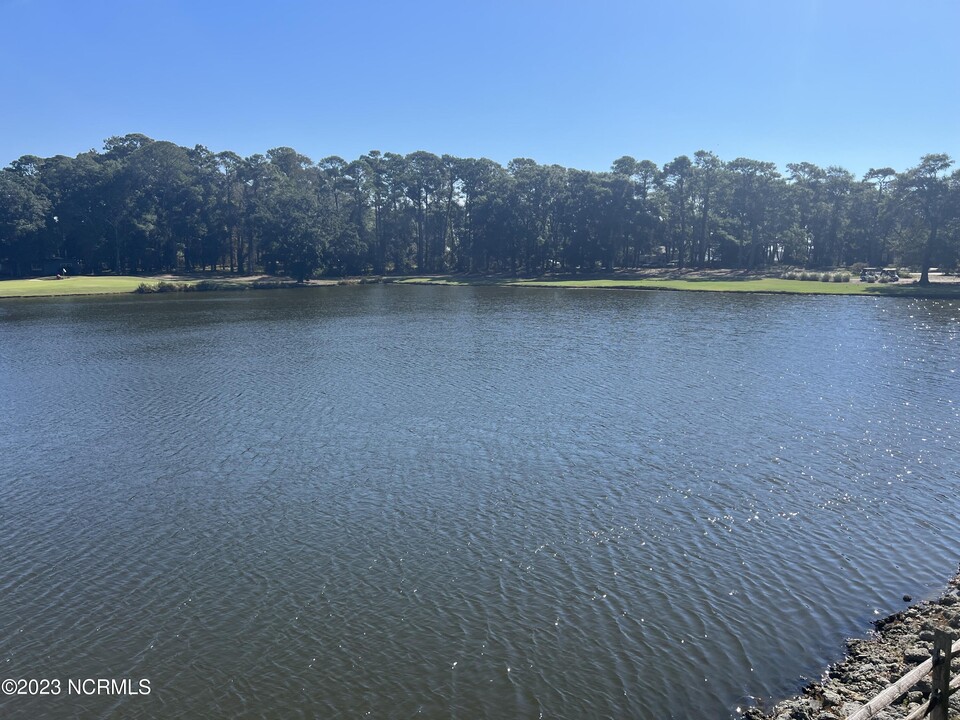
(854, 83)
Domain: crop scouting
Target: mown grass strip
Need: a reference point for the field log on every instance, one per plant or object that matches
(703, 284)
(85, 285)
(748, 285)
(75, 285)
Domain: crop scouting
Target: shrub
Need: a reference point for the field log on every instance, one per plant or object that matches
(162, 287)
(215, 285)
(825, 277)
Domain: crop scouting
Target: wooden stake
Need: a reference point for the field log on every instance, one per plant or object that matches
(924, 708)
(883, 699)
(940, 694)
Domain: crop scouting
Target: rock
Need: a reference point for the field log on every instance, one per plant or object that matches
(856, 648)
(831, 699)
(900, 642)
(907, 598)
(849, 708)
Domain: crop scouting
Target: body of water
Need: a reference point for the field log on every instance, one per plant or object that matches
(394, 502)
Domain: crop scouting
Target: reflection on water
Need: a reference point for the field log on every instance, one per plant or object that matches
(465, 502)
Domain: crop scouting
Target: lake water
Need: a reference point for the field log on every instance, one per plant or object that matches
(389, 502)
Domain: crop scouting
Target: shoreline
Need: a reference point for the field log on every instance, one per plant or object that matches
(731, 281)
(901, 642)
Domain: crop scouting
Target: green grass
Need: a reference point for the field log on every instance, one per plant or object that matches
(75, 285)
(753, 285)
(705, 284)
(945, 291)
(442, 280)
(83, 285)
(119, 284)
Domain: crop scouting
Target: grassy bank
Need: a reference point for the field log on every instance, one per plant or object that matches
(121, 284)
(77, 285)
(710, 283)
(718, 281)
(752, 285)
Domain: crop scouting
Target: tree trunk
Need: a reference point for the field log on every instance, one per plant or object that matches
(927, 253)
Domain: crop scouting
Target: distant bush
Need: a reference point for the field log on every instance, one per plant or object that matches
(231, 285)
(858, 268)
(816, 276)
(161, 287)
(904, 273)
(215, 286)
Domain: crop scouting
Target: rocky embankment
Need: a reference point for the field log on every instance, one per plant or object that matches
(902, 641)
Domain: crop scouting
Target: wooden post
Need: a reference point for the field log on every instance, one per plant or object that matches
(924, 708)
(940, 693)
(892, 692)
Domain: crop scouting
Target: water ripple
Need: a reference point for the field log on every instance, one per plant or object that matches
(469, 502)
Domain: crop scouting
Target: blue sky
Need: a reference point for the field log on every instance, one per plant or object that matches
(837, 82)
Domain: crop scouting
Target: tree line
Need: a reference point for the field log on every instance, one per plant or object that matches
(146, 206)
